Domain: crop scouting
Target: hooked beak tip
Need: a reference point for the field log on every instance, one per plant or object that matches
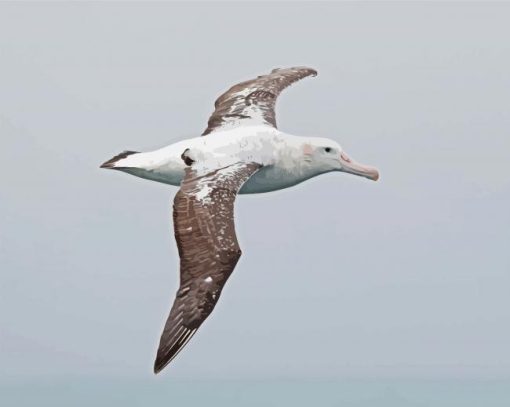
(351, 166)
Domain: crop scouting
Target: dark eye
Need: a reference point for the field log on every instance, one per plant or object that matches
(327, 149)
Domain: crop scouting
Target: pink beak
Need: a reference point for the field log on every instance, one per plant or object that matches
(352, 167)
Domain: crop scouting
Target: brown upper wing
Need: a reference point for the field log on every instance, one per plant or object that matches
(253, 101)
(208, 248)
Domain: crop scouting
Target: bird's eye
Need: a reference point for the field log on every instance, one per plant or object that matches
(327, 149)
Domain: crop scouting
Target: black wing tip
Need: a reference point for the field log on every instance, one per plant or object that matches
(111, 162)
(158, 367)
(161, 361)
(166, 355)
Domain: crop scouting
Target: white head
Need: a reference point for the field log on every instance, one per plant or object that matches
(325, 155)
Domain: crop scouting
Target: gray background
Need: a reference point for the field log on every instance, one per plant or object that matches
(341, 276)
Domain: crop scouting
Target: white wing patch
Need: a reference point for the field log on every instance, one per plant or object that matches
(203, 193)
(204, 186)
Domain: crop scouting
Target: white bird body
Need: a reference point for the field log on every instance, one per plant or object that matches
(280, 154)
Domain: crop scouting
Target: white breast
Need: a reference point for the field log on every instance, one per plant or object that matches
(271, 178)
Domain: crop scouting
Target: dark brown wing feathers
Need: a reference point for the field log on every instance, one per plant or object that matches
(254, 99)
(208, 248)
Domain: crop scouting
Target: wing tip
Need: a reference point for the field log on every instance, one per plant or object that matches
(165, 355)
(309, 71)
(158, 367)
(161, 362)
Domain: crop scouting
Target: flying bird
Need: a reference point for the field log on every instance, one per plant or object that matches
(240, 152)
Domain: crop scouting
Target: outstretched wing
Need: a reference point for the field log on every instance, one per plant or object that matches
(208, 248)
(252, 102)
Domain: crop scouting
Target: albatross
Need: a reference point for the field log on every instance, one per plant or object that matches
(240, 152)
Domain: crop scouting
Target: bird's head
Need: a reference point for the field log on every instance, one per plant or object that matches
(327, 155)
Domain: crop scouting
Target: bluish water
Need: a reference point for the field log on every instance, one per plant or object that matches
(168, 392)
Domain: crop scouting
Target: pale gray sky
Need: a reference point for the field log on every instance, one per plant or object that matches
(340, 276)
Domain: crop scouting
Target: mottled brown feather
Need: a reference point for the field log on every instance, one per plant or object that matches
(207, 243)
(254, 99)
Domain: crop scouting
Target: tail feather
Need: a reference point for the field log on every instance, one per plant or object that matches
(111, 162)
